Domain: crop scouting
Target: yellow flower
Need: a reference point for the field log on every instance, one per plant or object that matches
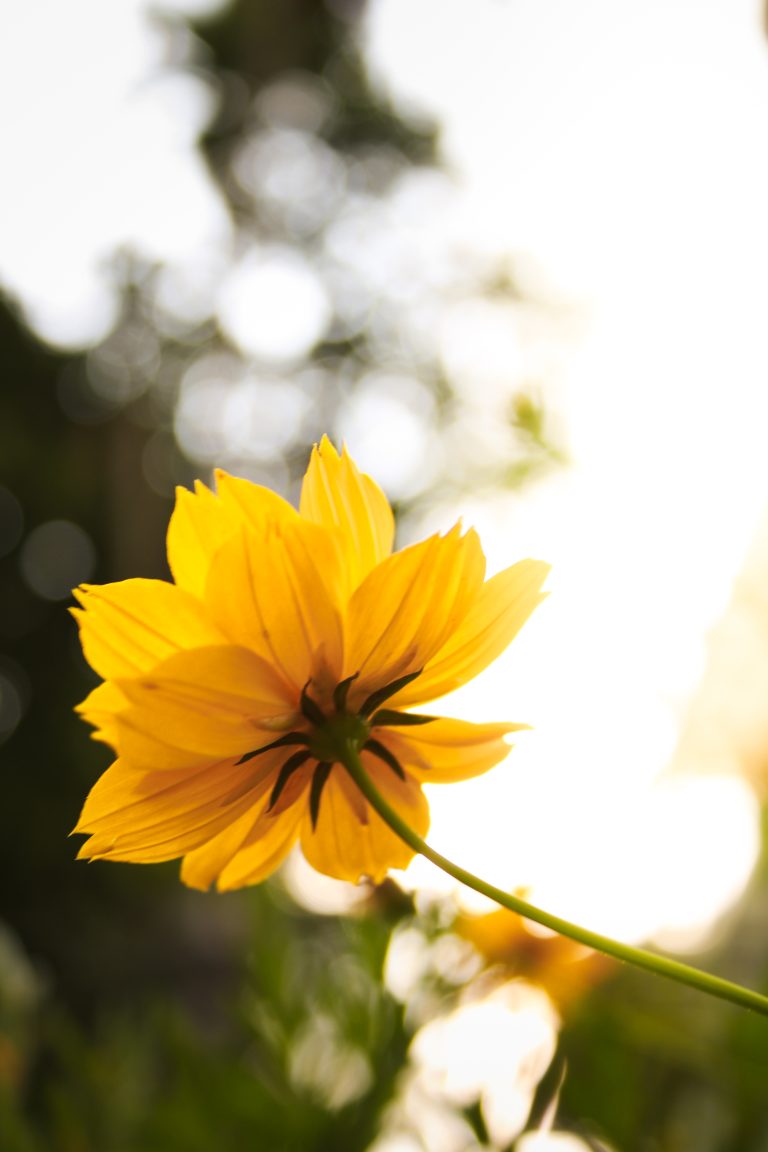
(564, 968)
(227, 693)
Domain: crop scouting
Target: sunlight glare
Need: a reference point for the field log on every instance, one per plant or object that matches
(494, 1049)
(273, 305)
(94, 176)
(645, 213)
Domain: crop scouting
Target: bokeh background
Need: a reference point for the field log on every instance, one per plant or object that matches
(514, 252)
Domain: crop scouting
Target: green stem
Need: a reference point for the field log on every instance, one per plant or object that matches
(661, 965)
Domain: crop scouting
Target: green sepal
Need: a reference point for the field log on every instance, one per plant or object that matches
(341, 691)
(287, 770)
(321, 774)
(310, 709)
(384, 754)
(281, 742)
(389, 718)
(381, 694)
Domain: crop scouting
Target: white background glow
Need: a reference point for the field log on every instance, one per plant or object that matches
(103, 145)
(623, 150)
(273, 306)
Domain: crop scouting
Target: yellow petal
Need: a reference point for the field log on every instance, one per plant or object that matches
(198, 526)
(201, 522)
(117, 788)
(104, 700)
(165, 841)
(208, 702)
(277, 591)
(337, 495)
(444, 751)
(251, 505)
(149, 832)
(342, 846)
(409, 606)
(502, 607)
(99, 708)
(149, 753)
(202, 865)
(123, 799)
(128, 627)
(263, 850)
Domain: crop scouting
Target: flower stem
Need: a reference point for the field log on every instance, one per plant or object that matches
(660, 965)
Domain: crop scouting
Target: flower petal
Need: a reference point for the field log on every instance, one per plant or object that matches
(207, 703)
(447, 750)
(99, 708)
(163, 841)
(127, 627)
(251, 505)
(338, 496)
(202, 521)
(202, 865)
(167, 824)
(410, 605)
(277, 592)
(502, 607)
(145, 752)
(263, 850)
(198, 526)
(123, 799)
(344, 847)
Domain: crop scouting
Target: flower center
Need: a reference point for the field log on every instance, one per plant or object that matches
(330, 736)
(328, 740)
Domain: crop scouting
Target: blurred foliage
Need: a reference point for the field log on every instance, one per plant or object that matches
(136, 1016)
(307, 1049)
(305, 1058)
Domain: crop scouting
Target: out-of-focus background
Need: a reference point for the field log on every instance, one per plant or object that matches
(515, 253)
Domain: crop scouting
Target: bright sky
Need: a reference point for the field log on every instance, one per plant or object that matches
(103, 139)
(622, 148)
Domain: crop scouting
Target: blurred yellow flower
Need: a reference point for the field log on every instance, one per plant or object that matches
(564, 968)
(228, 693)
